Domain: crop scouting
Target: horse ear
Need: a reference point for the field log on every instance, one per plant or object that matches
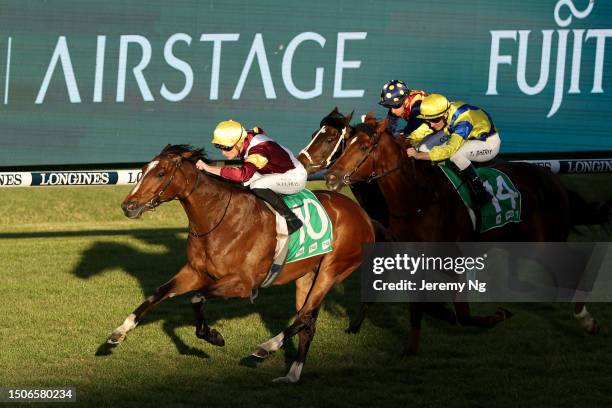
(370, 119)
(165, 149)
(382, 125)
(186, 155)
(335, 110)
(349, 117)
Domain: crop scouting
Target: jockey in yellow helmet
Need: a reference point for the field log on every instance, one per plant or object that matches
(472, 137)
(268, 168)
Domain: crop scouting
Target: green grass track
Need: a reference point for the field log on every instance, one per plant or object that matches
(72, 267)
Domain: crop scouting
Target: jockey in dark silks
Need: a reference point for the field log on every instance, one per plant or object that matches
(269, 169)
(403, 104)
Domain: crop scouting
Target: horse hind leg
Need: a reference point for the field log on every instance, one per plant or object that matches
(306, 335)
(303, 286)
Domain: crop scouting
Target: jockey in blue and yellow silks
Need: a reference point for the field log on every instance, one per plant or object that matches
(472, 137)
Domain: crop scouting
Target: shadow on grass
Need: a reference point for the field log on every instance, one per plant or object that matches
(275, 306)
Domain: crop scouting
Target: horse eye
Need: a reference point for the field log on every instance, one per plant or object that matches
(363, 148)
(161, 174)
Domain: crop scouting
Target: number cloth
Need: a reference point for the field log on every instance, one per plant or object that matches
(505, 207)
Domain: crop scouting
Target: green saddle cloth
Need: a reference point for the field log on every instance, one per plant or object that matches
(505, 207)
(315, 236)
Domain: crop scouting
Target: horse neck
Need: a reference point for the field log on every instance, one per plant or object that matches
(407, 188)
(216, 205)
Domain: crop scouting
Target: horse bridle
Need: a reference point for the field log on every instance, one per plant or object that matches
(157, 200)
(371, 132)
(340, 144)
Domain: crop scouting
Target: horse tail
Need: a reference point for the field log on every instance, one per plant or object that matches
(583, 212)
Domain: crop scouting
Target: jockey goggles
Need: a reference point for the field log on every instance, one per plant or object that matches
(224, 148)
(435, 120)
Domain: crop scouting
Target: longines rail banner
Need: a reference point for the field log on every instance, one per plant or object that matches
(114, 81)
(132, 176)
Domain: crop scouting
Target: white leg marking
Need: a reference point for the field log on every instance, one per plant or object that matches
(293, 375)
(198, 299)
(274, 343)
(585, 319)
(128, 324)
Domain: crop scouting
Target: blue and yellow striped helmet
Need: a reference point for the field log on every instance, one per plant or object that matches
(393, 94)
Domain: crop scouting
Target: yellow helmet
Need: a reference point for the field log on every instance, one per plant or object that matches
(433, 106)
(228, 133)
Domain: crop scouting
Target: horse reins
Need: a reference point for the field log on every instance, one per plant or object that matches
(347, 178)
(156, 200)
(201, 234)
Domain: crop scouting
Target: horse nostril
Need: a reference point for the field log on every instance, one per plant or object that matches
(128, 206)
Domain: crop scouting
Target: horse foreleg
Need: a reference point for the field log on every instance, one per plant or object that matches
(184, 281)
(586, 320)
(414, 337)
(355, 325)
(465, 318)
(203, 331)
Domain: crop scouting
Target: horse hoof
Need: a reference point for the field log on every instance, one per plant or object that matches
(285, 380)
(352, 330)
(212, 336)
(116, 338)
(505, 314)
(261, 353)
(594, 329)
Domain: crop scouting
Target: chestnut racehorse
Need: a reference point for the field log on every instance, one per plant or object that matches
(424, 206)
(231, 243)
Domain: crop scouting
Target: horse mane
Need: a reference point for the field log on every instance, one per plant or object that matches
(194, 155)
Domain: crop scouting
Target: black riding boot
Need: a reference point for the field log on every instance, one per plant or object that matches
(276, 201)
(480, 193)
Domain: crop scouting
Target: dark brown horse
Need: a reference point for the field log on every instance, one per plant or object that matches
(326, 146)
(424, 206)
(231, 245)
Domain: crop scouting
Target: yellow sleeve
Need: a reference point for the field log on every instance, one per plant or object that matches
(419, 134)
(439, 153)
(257, 159)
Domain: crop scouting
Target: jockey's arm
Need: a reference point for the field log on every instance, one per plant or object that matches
(202, 165)
(393, 125)
(419, 134)
(439, 153)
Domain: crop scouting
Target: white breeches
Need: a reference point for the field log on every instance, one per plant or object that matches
(476, 150)
(290, 182)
